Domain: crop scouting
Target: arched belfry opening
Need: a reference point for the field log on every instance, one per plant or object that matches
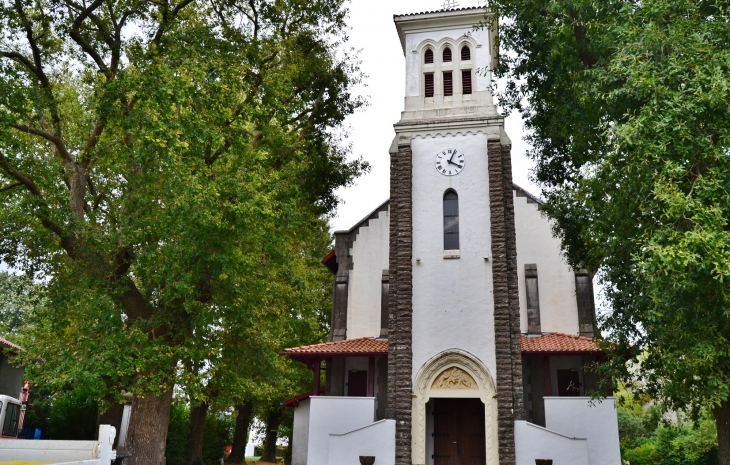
(454, 411)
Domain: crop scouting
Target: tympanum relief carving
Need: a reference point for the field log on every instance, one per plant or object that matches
(454, 378)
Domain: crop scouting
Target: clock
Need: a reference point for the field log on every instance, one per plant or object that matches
(450, 162)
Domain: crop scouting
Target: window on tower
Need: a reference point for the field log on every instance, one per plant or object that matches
(447, 55)
(465, 53)
(428, 58)
(448, 83)
(466, 81)
(428, 85)
(451, 220)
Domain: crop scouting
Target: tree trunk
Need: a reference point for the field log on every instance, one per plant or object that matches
(240, 435)
(148, 429)
(272, 430)
(197, 428)
(722, 419)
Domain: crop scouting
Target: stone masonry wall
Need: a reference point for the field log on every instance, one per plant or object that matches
(506, 298)
(400, 353)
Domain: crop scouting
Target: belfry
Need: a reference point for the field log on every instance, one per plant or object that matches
(459, 334)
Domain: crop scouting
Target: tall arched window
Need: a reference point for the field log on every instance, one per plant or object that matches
(451, 220)
(465, 53)
(447, 55)
(428, 58)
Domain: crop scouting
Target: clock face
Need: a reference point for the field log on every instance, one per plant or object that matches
(450, 162)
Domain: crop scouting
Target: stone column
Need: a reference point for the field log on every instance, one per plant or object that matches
(400, 353)
(506, 296)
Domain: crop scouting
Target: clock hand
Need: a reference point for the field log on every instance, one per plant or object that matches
(452, 163)
(452, 156)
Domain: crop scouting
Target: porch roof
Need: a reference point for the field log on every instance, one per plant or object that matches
(546, 343)
(360, 347)
(557, 343)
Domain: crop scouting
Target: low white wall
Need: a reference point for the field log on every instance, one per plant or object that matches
(375, 440)
(593, 420)
(300, 441)
(535, 442)
(335, 415)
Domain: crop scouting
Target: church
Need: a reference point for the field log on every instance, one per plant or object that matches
(459, 334)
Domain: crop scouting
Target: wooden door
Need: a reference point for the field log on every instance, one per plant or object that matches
(458, 433)
(568, 383)
(357, 383)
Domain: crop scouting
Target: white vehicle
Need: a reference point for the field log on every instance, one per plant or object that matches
(9, 416)
(30, 452)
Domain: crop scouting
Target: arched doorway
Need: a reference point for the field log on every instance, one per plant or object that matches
(457, 383)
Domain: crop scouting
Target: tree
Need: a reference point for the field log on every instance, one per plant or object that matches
(19, 295)
(154, 158)
(626, 101)
(245, 366)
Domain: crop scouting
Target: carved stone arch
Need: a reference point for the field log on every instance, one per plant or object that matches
(460, 362)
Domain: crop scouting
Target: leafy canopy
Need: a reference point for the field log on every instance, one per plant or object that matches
(626, 101)
(167, 168)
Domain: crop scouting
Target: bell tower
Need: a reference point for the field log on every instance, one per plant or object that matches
(453, 302)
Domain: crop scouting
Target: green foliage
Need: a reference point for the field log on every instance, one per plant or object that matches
(218, 433)
(65, 414)
(19, 295)
(176, 447)
(647, 439)
(627, 103)
(73, 416)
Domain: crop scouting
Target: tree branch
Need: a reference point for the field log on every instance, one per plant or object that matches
(25, 61)
(38, 65)
(11, 187)
(85, 46)
(30, 185)
(61, 150)
(167, 16)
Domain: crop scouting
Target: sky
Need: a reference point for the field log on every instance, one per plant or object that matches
(373, 34)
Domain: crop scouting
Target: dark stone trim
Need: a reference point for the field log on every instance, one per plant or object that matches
(400, 351)
(506, 297)
(532, 298)
(338, 328)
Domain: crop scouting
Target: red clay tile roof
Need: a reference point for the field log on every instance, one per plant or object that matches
(8, 344)
(294, 401)
(363, 346)
(550, 343)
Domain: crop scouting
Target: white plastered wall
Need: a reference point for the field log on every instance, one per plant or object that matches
(556, 281)
(300, 441)
(452, 298)
(583, 417)
(370, 257)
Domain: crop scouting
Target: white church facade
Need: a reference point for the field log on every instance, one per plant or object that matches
(459, 334)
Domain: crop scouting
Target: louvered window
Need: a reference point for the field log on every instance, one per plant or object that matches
(429, 85)
(448, 83)
(447, 55)
(451, 220)
(428, 59)
(465, 53)
(466, 81)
